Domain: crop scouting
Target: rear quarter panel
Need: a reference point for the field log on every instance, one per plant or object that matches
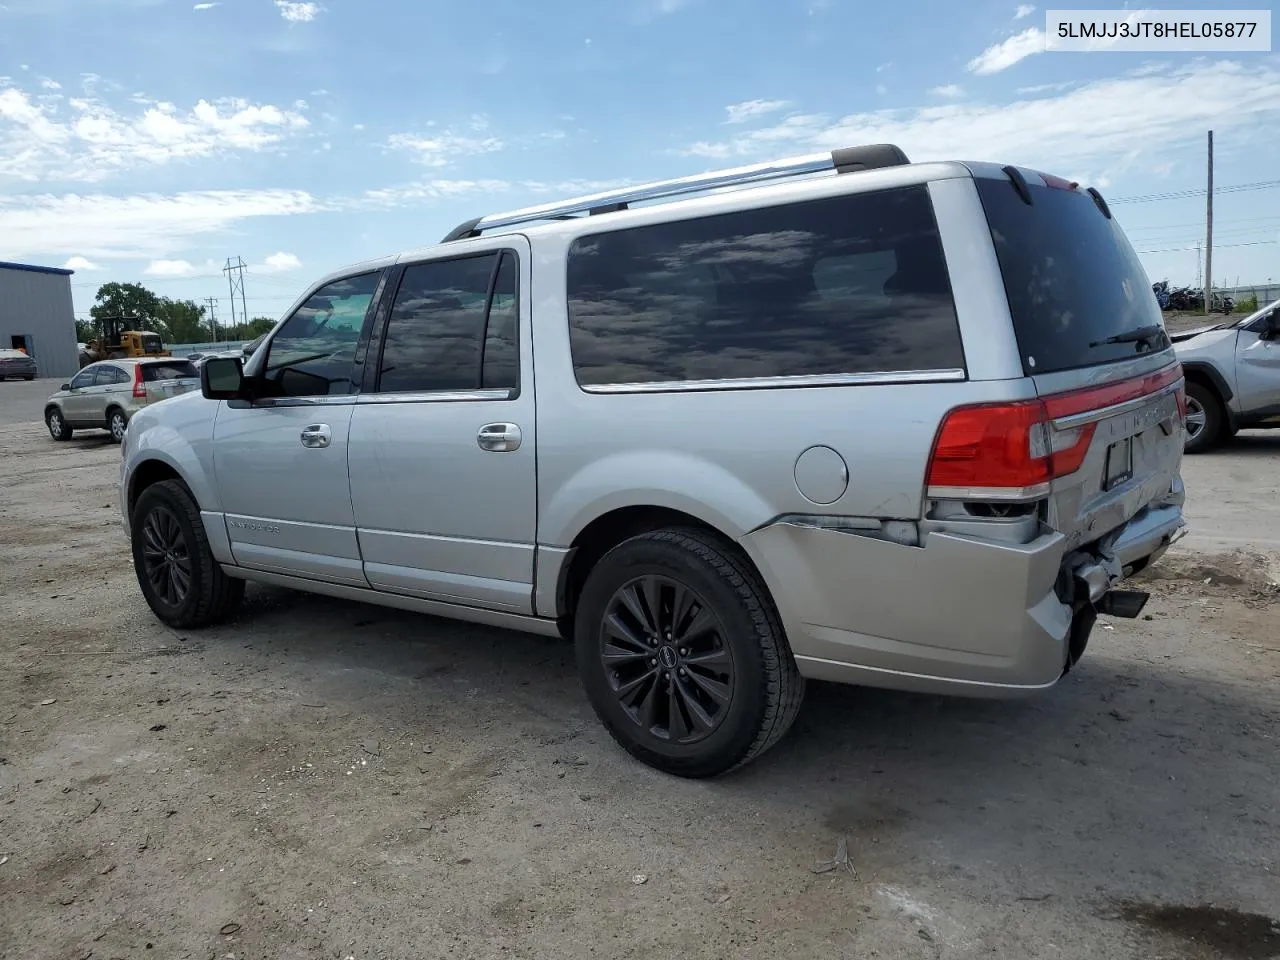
(728, 457)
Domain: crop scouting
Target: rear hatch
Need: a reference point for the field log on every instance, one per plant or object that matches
(162, 379)
(1092, 339)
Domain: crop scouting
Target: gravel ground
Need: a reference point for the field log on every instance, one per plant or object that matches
(320, 779)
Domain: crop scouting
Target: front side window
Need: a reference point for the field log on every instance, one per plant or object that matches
(84, 378)
(453, 326)
(313, 354)
(846, 285)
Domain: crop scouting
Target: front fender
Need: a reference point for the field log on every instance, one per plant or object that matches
(179, 434)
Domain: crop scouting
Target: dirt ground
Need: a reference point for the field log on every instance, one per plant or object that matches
(325, 780)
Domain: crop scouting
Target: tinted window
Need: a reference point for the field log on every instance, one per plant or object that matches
(107, 375)
(446, 330)
(852, 284)
(1071, 277)
(314, 351)
(168, 370)
(501, 339)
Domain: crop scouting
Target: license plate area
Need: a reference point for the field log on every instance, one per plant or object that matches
(1119, 463)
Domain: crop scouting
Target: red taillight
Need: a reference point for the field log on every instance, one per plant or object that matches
(1003, 451)
(1012, 451)
(139, 388)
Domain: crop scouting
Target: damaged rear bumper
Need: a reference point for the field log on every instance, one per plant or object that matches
(957, 614)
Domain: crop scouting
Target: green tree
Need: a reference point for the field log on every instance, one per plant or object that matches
(251, 330)
(182, 321)
(130, 300)
(85, 331)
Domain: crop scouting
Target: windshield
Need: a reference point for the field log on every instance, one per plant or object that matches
(1273, 305)
(151, 343)
(1077, 292)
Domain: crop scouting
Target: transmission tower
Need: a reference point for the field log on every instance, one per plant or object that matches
(213, 316)
(235, 280)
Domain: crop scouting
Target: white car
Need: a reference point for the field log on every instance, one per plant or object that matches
(1233, 377)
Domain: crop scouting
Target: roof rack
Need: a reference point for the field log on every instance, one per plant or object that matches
(844, 160)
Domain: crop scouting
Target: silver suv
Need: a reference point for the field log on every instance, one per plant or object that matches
(843, 417)
(106, 395)
(1233, 377)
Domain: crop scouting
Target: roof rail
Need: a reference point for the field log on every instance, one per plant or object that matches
(844, 160)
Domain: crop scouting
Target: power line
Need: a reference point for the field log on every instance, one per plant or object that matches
(1199, 192)
(1217, 246)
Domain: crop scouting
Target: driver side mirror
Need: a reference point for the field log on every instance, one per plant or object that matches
(1271, 327)
(65, 386)
(222, 378)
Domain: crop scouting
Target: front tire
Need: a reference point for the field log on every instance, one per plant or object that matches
(1206, 419)
(57, 424)
(182, 582)
(117, 424)
(682, 654)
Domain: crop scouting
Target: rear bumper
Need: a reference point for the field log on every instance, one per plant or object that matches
(956, 615)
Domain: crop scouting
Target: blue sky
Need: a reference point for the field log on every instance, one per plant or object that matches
(150, 140)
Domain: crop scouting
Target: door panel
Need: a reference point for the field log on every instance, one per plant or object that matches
(281, 462)
(76, 404)
(1257, 373)
(288, 506)
(438, 516)
(442, 464)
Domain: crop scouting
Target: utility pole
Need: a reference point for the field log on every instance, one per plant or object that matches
(235, 281)
(1208, 236)
(1199, 265)
(213, 316)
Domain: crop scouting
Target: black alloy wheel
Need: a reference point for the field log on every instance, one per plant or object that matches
(664, 651)
(166, 556)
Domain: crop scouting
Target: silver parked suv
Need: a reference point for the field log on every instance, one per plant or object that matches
(106, 395)
(843, 417)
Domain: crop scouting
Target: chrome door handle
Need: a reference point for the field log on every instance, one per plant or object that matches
(317, 435)
(499, 437)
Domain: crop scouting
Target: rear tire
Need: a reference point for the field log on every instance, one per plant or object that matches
(117, 424)
(182, 582)
(57, 424)
(1206, 418)
(682, 654)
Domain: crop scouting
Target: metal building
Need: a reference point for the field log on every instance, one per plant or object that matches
(36, 315)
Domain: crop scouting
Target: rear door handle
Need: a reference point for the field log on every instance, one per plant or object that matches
(499, 437)
(316, 435)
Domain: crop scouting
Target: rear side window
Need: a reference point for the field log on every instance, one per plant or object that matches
(453, 327)
(848, 285)
(1072, 279)
(109, 375)
(175, 370)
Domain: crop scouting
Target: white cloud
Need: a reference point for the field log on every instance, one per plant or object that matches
(1024, 10)
(80, 263)
(881, 89)
(298, 12)
(206, 6)
(750, 109)
(143, 226)
(1005, 54)
(413, 194)
(439, 149)
(48, 84)
(1095, 123)
(358, 126)
(950, 91)
(85, 139)
(169, 268)
(278, 263)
